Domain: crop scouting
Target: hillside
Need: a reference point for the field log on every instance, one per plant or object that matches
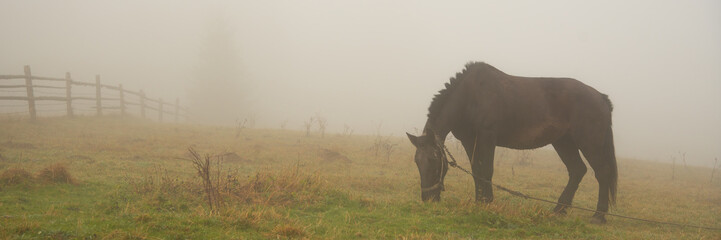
(133, 179)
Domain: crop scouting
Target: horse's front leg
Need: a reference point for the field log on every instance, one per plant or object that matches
(481, 155)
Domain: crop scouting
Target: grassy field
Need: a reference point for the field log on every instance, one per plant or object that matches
(109, 178)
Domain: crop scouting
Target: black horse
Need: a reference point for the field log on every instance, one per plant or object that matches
(484, 108)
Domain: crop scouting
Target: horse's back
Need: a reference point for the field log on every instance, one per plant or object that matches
(538, 111)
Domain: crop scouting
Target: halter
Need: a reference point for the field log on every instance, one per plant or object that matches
(443, 161)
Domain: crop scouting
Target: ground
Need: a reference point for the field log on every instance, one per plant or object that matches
(133, 179)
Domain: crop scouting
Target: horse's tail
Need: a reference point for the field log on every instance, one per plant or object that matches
(613, 174)
(611, 156)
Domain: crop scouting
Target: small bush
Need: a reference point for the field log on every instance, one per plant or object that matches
(15, 176)
(56, 173)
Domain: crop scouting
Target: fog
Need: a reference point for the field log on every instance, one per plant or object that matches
(367, 64)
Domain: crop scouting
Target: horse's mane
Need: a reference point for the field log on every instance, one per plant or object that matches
(441, 98)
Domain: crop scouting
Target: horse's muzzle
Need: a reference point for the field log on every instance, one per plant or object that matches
(432, 193)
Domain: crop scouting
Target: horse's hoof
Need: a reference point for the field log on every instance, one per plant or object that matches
(598, 220)
(560, 210)
(483, 199)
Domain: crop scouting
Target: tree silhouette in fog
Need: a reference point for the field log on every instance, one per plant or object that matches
(219, 89)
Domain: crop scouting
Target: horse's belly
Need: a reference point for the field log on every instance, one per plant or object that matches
(529, 138)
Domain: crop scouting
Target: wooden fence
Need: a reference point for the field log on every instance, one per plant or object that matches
(143, 102)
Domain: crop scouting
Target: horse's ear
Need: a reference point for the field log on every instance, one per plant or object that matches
(414, 140)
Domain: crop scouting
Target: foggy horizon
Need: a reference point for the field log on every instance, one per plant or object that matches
(371, 63)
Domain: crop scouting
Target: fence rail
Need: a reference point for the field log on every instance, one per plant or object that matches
(158, 105)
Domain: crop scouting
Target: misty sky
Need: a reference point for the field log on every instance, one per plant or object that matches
(364, 63)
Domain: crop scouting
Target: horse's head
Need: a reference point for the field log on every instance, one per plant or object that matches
(431, 165)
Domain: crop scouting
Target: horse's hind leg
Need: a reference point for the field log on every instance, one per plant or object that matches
(568, 151)
(602, 170)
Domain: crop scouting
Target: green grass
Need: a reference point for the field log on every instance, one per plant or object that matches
(132, 181)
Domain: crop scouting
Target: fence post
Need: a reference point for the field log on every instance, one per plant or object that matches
(122, 100)
(68, 93)
(31, 95)
(98, 103)
(160, 109)
(142, 104)
(177, 109)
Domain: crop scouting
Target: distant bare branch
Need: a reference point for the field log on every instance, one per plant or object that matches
(308, 125)
(322, 124)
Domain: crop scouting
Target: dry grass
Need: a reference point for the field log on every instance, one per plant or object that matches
(26, 226)
(291, 190)
(284, 188)
(289, 231)
(17, 145)
(121, 234)
(241, 219)
(56, 173)
(414, 236)
(143, 218)
(14, 176)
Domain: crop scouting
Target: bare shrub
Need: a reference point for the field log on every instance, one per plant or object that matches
(683, 158)
(203, 165)
(715, 162)
(239, 126)
(56, 173)
(347, 130)
(383, 146)
(308, 125)
(387, 149)
(322, 124)
(673, 167)
(15, 176)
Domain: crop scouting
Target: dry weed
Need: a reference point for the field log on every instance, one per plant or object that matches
(15, 176)
(56, 173)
